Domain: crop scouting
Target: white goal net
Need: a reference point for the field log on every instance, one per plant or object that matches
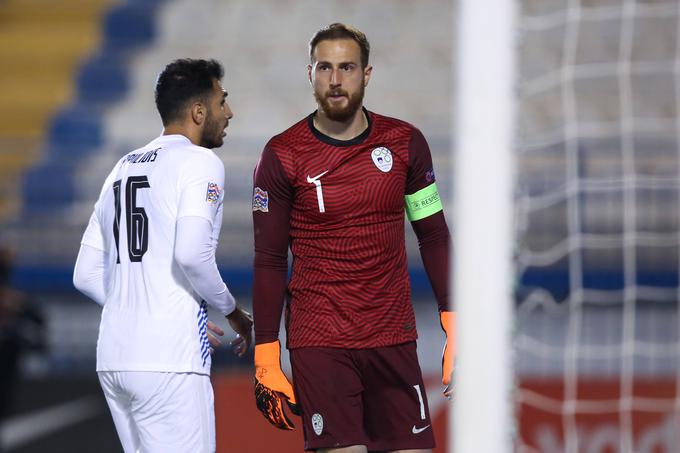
(596, 330)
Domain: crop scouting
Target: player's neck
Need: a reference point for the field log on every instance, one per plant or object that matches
(341, 130)
(176, 129)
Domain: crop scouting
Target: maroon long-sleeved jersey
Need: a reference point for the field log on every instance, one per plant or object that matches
(339, 205)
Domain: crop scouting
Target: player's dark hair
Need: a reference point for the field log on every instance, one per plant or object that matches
(341, 31)
(182, 81)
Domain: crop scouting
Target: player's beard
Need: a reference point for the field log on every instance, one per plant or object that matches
(212, 132)
(336, 112)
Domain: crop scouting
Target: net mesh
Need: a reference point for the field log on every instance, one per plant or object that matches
(596, 339)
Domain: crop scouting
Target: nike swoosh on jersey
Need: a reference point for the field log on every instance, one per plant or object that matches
(313, 180)
(419, 430)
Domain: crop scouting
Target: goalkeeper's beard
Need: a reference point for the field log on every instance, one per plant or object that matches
(340, 113)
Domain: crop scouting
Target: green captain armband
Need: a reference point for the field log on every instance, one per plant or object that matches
(423, 203)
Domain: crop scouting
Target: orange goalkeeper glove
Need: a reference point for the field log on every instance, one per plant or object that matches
(448, 323)
(272, 387)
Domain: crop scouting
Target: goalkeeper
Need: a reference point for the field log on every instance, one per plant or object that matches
(333, 188)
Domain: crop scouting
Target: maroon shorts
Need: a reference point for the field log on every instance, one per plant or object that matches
(373, 397)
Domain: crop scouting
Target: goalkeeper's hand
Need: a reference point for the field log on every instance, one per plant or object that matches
(448, 323)
(272, 387)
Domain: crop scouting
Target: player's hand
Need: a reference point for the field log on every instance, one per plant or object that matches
(242, 323)
(272, 387)
(448, 323)
(214, 332)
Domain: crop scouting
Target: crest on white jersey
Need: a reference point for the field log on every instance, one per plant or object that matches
(382, 158)
(317, 424)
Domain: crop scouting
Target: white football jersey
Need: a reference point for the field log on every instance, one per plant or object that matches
(152, 318)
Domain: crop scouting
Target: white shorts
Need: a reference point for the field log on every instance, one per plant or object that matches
(161, 412)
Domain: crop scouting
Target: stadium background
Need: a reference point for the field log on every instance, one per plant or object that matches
(77, 91)
(596, 341)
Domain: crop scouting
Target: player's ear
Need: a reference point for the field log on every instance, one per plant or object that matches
(309, 73)
(367, 74)
(198, 113)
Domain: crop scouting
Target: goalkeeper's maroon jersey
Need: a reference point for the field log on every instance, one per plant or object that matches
(339, 205)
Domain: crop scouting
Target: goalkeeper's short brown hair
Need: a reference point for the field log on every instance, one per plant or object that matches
(341, 31)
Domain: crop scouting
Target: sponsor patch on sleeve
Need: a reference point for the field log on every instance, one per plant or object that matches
(260, 200)
(213, 193)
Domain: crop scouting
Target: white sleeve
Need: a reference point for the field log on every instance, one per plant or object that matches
(195, 255)
(93, 233)
(88, 275)
(201, 187)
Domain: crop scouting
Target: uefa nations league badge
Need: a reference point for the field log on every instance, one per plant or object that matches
(382, 158)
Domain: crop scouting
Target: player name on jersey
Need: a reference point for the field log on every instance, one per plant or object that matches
(141, 158)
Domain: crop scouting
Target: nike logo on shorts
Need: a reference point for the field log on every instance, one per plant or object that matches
(419, 430)
(313, 180)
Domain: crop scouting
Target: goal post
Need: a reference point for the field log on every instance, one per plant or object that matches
(482, 274)
(566, 226)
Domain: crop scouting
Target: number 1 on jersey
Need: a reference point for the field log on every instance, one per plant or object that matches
(319, 196)
(319, 191)
(136, 219)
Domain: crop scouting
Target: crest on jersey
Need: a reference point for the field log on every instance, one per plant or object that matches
(213, 193)
(317, 424)
(260, 200)
(382, 158)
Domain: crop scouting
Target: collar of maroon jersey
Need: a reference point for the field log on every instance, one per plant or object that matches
(334, 141)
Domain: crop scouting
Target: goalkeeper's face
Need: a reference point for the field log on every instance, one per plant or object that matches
(338, 79)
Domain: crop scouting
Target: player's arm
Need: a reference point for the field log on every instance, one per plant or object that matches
(425, 211)
(197, 227)
(90, 267)
(272, 201)
(195, 255)
(88, 274)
